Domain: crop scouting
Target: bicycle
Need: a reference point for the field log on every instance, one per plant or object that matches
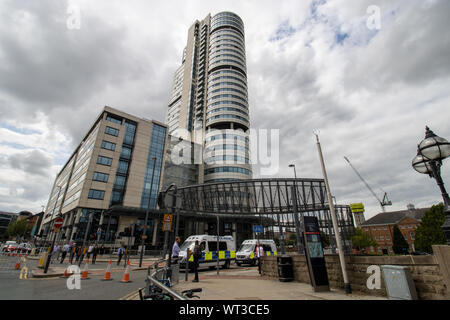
(190, 293)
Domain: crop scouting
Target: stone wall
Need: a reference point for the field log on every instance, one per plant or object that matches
(425, 272)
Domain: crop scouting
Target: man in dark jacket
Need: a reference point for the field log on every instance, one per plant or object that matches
(197, 255)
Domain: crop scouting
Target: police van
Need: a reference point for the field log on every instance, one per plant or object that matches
(208, 244)
(247, 251)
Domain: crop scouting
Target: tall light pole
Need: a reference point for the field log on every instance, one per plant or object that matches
(430, 153)
(348, 288)
(295, 209)
(146, 214)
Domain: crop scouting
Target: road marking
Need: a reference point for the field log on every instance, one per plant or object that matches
(128, 296)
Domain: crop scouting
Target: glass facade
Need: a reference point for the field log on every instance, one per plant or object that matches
(157, 142)
(120, 181)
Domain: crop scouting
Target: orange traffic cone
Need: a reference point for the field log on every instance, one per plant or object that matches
(126, 275)
(17, 266)
(84, 275)
(66, 273)
(108, 272)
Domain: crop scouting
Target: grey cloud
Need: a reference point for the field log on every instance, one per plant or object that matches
(33, 162)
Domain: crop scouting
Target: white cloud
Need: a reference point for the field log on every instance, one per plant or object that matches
(371, 94)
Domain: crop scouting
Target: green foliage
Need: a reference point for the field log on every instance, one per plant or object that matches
(362, 240)
(325, 239)
(430, 232)
(17, 228)
(399, 244)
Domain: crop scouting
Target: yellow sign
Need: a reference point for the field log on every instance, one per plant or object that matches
(357, 207)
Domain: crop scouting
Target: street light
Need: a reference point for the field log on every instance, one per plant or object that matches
(295, 209)
(430, 153)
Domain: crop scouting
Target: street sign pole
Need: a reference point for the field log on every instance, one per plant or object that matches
(217, 252)
(56, 225)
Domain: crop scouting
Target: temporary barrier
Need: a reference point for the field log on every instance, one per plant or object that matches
(85, 273)
(126, 275)
(108, 272)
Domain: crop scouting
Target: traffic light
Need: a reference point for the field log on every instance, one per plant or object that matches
(94, 236)
(137, 231)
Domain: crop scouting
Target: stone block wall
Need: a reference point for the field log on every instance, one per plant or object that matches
(424, 270)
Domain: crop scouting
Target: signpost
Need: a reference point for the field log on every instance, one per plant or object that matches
(258, 229)
(167, 226)
(56, 225)
(357, 207)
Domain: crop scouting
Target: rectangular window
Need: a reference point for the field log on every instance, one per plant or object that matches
(409, 226)
(102, 177)
(96, 194)
(388, 238)
(123, 167)
(113, 119)
(108, 145)
(126, 153)
(112, 131)
(412, 235)
(382, 238)
(104, 161)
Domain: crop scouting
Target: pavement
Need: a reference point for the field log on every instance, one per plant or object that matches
(247, 284)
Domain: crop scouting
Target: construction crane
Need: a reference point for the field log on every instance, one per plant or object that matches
(384, 202)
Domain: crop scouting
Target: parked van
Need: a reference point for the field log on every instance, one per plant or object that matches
(208, 243)
(247, 251)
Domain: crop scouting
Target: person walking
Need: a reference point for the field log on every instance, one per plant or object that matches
(259, 253)
(176, 250)
(120, 254)
(90, 250)
(65, 249)
(102, 250)
(55, 252)
(197, 255)
(73, 249)
(94, 254)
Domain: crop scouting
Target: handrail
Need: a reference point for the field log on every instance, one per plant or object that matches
(150, 277)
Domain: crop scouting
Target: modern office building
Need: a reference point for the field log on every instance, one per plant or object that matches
(6, 218)
(209, 101)
(112, 166)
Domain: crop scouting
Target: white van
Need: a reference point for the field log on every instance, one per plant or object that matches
(208, 243)
(247, 251)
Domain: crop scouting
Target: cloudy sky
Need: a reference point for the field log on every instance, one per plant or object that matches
(370, 86)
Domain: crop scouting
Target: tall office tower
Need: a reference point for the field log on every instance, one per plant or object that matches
(209, 97)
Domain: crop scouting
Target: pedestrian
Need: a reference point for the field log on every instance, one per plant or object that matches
(65, 249)
(78, 252)
(94, 254)
(259, 253)
(176, 250)
(197, 255)
(73, 249)
(90, 250)
(120, 254)
(102, 250)
(55, 252)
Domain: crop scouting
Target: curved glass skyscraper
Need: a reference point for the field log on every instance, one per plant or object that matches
(209, 95)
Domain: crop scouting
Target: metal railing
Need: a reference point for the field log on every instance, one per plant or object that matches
(155, 277)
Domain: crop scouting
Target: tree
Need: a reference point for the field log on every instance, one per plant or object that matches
(17, 228)
(362, 240)
(325, 239)
(399, 244)
(430, 232)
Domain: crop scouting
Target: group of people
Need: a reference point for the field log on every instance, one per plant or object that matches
(77, 252)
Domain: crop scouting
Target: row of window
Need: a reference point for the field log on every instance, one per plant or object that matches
(221, 96)
(226, 102)
(226, 136)
(226, 116)
(227, 90)
(227, 84)
(108, 145)
(113, 119)
(227, 61)
(226, 109)
(226, 147)
(227, 158)
(228, 169)
(222, 72)
(225, 55)
(112, 131)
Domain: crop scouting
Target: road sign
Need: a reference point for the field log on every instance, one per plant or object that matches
(167, 222)
(58, 223)
(357, 207)
(257, 229)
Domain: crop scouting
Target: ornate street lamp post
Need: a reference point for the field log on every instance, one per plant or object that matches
(430, 153)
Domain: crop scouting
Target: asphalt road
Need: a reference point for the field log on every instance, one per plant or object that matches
(14, 288)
